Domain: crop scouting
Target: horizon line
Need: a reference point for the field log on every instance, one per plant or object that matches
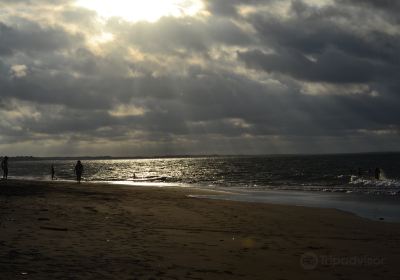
(196, 155)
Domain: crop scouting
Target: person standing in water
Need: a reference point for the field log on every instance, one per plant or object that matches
(53, 172)
(377, 173)
(78, 171)
(4, 166)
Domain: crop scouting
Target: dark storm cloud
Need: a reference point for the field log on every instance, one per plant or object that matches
(314, 32)
(338, 53)
(386, 5)
(332, 66)
(30, 36)
(389, 9)
(257, 81)
(229, 7)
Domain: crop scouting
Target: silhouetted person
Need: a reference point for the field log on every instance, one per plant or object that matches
(78, 171)
(377, 173)
(359, 172)
(53, 172)
(4, 166)
(370, 172)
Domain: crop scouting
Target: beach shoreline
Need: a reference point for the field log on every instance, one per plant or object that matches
(68, 231)
(383, 208)
(376, 208)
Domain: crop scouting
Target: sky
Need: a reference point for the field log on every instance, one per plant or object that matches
(163, 77)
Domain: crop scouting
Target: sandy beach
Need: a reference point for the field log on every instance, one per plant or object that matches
(93, 231)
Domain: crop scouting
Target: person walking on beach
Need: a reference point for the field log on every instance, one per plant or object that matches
(377, 173)
(4, 166)
(53, 172)
(78, 171)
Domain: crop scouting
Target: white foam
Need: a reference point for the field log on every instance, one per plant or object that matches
(371, 182)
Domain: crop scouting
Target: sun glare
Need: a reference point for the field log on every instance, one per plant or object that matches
(142, 10)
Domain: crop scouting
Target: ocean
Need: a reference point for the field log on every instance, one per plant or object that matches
(328, 173)
(344, 181)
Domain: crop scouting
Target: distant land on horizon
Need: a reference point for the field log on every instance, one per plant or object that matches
(187, 156)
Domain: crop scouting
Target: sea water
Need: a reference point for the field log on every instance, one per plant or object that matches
(328, 173)
(250, 178)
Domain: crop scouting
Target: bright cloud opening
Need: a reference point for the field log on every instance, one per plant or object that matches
(138, 10)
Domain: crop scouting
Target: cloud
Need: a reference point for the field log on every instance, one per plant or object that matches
(230, 7)
(332, 66)
(18, 70)
(29, 36)
(239, 77)
(385, 5)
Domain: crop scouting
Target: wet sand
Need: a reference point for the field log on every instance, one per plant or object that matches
(69, 231)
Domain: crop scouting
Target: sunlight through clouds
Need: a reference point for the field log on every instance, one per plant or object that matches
(149, 10)
(237, 76)
(125, 110)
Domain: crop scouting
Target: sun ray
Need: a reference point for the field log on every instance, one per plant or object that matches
(139, 10)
